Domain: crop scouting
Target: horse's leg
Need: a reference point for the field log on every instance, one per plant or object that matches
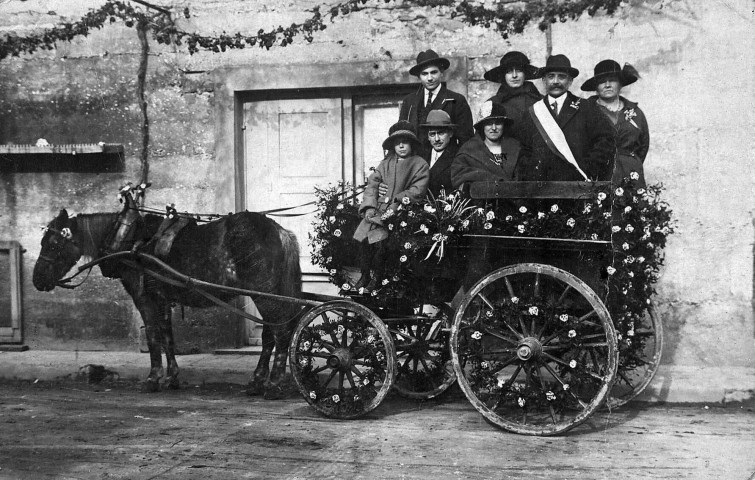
(149, 310)
(273, 389)
(257, 384)
(169, 346)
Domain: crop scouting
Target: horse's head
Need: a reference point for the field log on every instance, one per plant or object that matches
(60, 251)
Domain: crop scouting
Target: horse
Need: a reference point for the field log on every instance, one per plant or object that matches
(245, 250)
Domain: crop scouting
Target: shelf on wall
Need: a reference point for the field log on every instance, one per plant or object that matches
(76, 157)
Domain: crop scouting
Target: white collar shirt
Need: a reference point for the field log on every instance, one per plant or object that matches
(559, 102)
(434, 157)
(435, 91)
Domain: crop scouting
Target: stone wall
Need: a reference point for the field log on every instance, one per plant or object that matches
(696, 90)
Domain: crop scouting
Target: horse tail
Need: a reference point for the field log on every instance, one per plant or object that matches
(290, 282)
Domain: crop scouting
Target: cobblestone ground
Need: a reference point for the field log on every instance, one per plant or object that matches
(73, 430)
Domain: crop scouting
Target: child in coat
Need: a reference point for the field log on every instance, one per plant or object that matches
(406, 175)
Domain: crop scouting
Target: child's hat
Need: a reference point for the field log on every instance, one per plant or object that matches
(402, 128)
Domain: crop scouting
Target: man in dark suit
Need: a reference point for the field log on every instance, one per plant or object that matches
(434, 95)
(440, 134)
(563, 136)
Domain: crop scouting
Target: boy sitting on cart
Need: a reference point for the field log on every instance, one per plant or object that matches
(406, 176)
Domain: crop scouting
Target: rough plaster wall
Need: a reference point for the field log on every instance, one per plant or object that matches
(695, 58)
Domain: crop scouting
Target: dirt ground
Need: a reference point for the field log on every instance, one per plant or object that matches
(74, 430)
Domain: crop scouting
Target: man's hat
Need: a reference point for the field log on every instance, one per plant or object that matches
(438, 119)
(606, 68)
(492, 111)
(427, 58)
(559, 63)
(512, 59)
(402, 128)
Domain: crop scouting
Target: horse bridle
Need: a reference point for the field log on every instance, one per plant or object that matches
(63, 243)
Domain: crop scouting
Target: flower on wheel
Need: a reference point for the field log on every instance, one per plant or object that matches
(554, 208)
(521, 402)
(485, 365)
(313, 395)
(403, 258)
(337, 232)
(534, 310)
(566, 386)
(405, 200)
(477, 335)
(571, 222)
(514, 300)
(550, 396)
(573, 364)
(563, 317)
(522, 209)
(572, 333)
(336, 398)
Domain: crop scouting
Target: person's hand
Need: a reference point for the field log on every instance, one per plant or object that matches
(382, 189)
(369, 213)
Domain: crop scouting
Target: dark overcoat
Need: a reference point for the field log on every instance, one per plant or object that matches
(516, 101)
(475, 163)
(440, 173)
(589, 135)
(632, 140)
(454, 104)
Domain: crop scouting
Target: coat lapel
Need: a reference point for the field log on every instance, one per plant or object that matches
(572, 104)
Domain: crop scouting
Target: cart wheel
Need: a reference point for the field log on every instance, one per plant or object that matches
(534, 349)
(424, 369)
(342, 359)
(637, 368)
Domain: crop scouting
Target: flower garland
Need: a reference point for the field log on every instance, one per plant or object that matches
(636, 221)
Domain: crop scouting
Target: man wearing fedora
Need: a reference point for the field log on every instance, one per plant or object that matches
(433, 94)
(440, 134)
(563, 136)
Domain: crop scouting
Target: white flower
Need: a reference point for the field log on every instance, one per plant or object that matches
(640, 259)
(361, 290)
(340, 329)
(336, 398)
(407, 245)
(610, 270)
(594, 236)
(487, 226)
(563, 317)
(629, 228)
(480, 210)
(345, 286)
(380, 356)
(641, 191)
(485, 365)
(534, 310)
(629, 259)
(403, 224)
(625, 246)
(312, 395)
(630, 333)
(447, 208)
(374, 293)
(356, 398)
(465, 223)
(405, 200)
(514, 300)
(424, 228)
(573, 364)
(566, 386)
(306, 345)
(550, 396)
(634, 176)
(390, 227)
(554, 208)
(451, 197)
(522, 209)
(607, 215)
(631, 274)
(540, 215)
(520, 228)
(571, 222)
(601, 196)
(616, 229)
(339, 207)
(587, 209)
(477, 335)
(331, 219)
(619, 191)
(304, 362)
(627, 209)
(521, 402)
(385, 281)
(650, 245)
(572, 333)
(337, 232)
(403, 258)
(429, 209)
(366, 381)
(488, 313)
(371, 339)
(509, 218)
(451, 228)
(490, 215)
(333, 271)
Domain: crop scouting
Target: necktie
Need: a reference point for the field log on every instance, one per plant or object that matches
(429, 99)
(554, 106)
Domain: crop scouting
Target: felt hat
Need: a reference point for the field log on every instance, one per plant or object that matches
(512, 59)
(606, 68)
(402, 128)
(427, 58)
(492, 111)
(438, 119)
(559, 63)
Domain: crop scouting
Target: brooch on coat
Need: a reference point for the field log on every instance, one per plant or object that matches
(629, 115)
(575, 105)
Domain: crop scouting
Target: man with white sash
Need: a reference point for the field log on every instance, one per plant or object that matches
(563, 136)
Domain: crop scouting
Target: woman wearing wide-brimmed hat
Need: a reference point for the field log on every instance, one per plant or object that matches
(489, 155)
(516, 92)
(629, 122)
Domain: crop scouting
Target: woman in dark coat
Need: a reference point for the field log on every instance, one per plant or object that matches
(489, 155)
(516, 92)
(629, 123)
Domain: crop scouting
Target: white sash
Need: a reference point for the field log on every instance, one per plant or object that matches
(553, 135)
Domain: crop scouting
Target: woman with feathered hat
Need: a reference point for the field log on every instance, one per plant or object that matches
(629, 123)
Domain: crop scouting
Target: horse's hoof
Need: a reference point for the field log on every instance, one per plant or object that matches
(274, 392)
(255, 388)
(173, 384)
(151, 386)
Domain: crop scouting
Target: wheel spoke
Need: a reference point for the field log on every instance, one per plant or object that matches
(330, 378)
(509, 287)
(536, 292)
(350, 378)
(501, 336)
(563, 295)
(561, 381)
(542, 387)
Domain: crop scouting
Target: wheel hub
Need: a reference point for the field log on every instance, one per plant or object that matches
(528, 349)
(341, 359)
